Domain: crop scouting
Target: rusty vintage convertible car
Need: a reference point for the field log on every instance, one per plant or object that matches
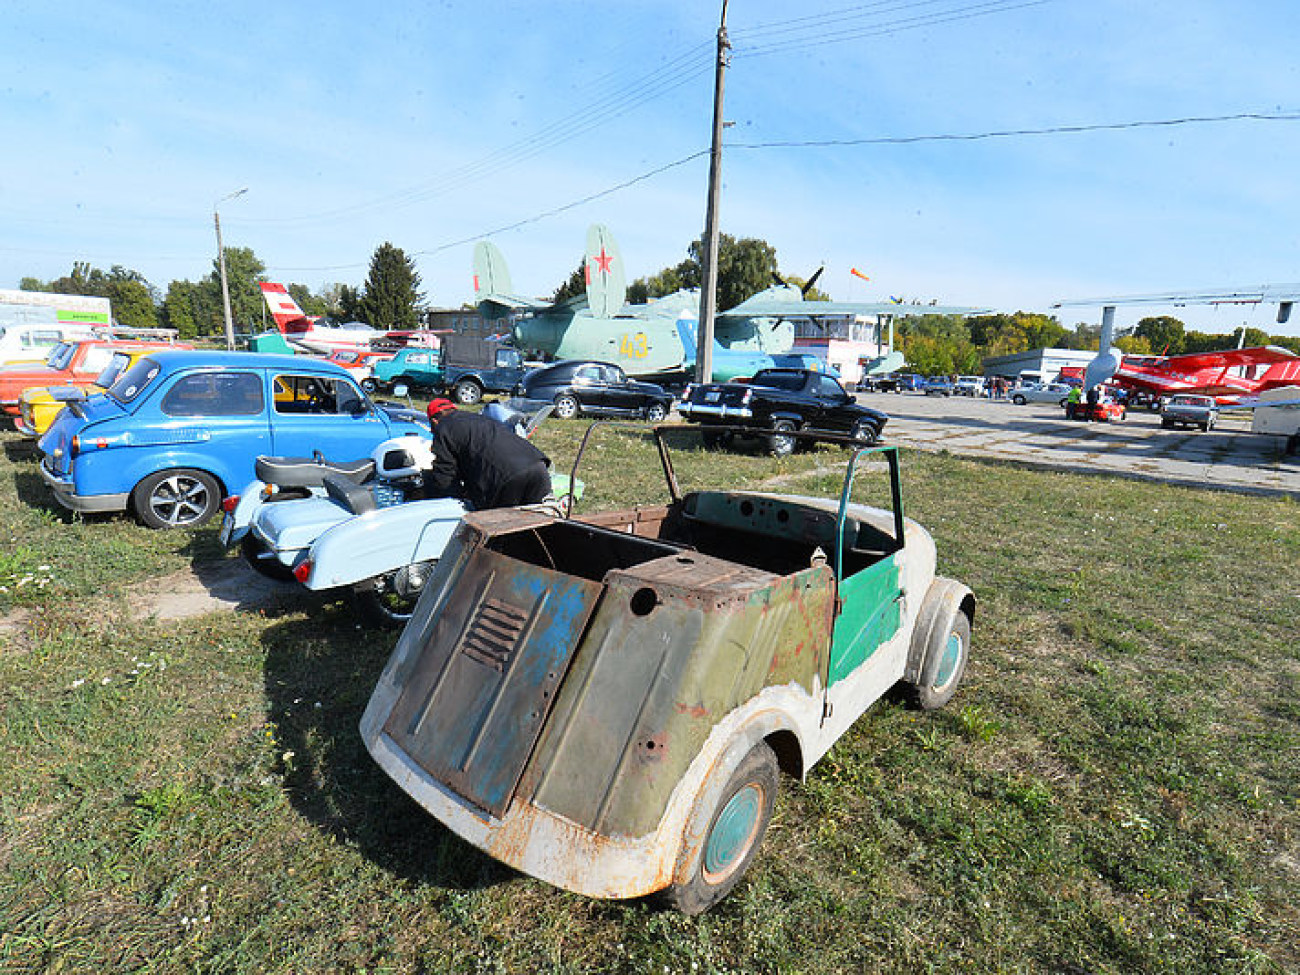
(605, 702)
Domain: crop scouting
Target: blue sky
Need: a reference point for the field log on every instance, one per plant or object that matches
(431, 124)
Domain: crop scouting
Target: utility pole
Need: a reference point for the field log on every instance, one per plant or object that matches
(709, 275)
(221, 266)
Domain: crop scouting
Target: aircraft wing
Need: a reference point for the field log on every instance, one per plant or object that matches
(765, 305)
(1258, 355)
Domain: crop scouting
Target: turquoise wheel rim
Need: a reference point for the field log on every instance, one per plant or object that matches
(733, 832)
(951, 657)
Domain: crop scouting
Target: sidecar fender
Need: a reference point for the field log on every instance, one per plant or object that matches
(381, 541)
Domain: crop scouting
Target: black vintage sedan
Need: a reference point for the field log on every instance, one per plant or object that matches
(579, 387)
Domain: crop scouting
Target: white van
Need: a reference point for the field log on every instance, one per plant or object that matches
(34, 322)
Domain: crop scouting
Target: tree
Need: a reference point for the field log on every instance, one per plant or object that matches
(190, 310)
(1164, 334)
(392, 292)
(244, 272)
(575, 285)
(745, 267)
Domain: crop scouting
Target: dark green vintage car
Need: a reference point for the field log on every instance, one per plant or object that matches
(606, 702)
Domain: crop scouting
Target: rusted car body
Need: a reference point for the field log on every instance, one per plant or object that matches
(602, 702)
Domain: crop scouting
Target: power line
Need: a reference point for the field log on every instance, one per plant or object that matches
(1013, 133)
(836, 143)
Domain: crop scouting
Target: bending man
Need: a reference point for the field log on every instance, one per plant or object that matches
(483, 461)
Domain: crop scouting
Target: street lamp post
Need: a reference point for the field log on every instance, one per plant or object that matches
(221, 266)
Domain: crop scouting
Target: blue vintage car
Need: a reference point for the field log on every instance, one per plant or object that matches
(180, 430)
(416, 366)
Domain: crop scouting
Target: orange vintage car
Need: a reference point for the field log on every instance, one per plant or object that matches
(43, 392)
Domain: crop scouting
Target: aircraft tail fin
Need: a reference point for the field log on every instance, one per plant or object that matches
(606, 279)
(284, 310)
(491, 276)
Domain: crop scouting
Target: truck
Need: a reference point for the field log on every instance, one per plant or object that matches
(774, 404)
(472, 366)
(607, 702)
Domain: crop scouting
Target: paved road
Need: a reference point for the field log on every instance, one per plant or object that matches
(1228, 457)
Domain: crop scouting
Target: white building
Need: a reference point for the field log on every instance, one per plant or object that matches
(1048, 362)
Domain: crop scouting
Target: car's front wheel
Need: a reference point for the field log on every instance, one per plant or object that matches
(566, 407)
(656, 412)
(370, 385)
(864, 433)
(181, 498)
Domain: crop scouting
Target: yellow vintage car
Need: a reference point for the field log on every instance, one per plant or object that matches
(39, 405)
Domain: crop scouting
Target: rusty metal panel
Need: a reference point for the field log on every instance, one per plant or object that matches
(676, 645)
(483, 683)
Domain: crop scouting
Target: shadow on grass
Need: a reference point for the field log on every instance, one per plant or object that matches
(319, 673)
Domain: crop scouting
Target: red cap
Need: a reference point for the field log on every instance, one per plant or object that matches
(439, 405)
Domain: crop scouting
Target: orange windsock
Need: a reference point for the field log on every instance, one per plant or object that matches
(858, 274)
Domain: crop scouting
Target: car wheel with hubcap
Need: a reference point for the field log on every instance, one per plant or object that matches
(370, 385)
(566, 407)
(730, 829)
(864, 433)
(181, 498)
(1018, 400)
(944, 664)
(656, 412)
(466, 392)
(779, 443)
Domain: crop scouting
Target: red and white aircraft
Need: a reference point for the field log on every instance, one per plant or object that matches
(1228, 375)
(1231, 376)
(305, 330)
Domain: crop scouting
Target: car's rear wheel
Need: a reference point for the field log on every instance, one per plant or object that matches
(780, 443)
(656, 412)
(730, 827)
(566, 407)
(181, 498)
(1018, 400)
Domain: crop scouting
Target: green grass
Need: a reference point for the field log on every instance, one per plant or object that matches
(1115, 789)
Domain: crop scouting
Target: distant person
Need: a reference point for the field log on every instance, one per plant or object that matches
(1072, 402)
(483, 461)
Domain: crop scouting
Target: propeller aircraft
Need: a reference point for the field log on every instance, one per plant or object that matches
(657, 339)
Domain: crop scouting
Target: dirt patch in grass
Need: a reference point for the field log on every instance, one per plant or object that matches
(211, 587)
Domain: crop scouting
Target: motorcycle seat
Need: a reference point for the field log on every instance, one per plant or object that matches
(351, 496)
(307, 472)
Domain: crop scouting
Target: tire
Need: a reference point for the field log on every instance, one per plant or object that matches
(371, 386)
(566, 407)
(180, 498)
(655, 413)
(1167, 424)
(1018, 400)
(466, 392)
(778, 443)
(731, 827)
(257, 555)
(1061, 402)
(864, 433)
(944, 665)
(387, 601)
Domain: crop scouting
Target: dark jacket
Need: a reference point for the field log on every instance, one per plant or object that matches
(475, 457)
